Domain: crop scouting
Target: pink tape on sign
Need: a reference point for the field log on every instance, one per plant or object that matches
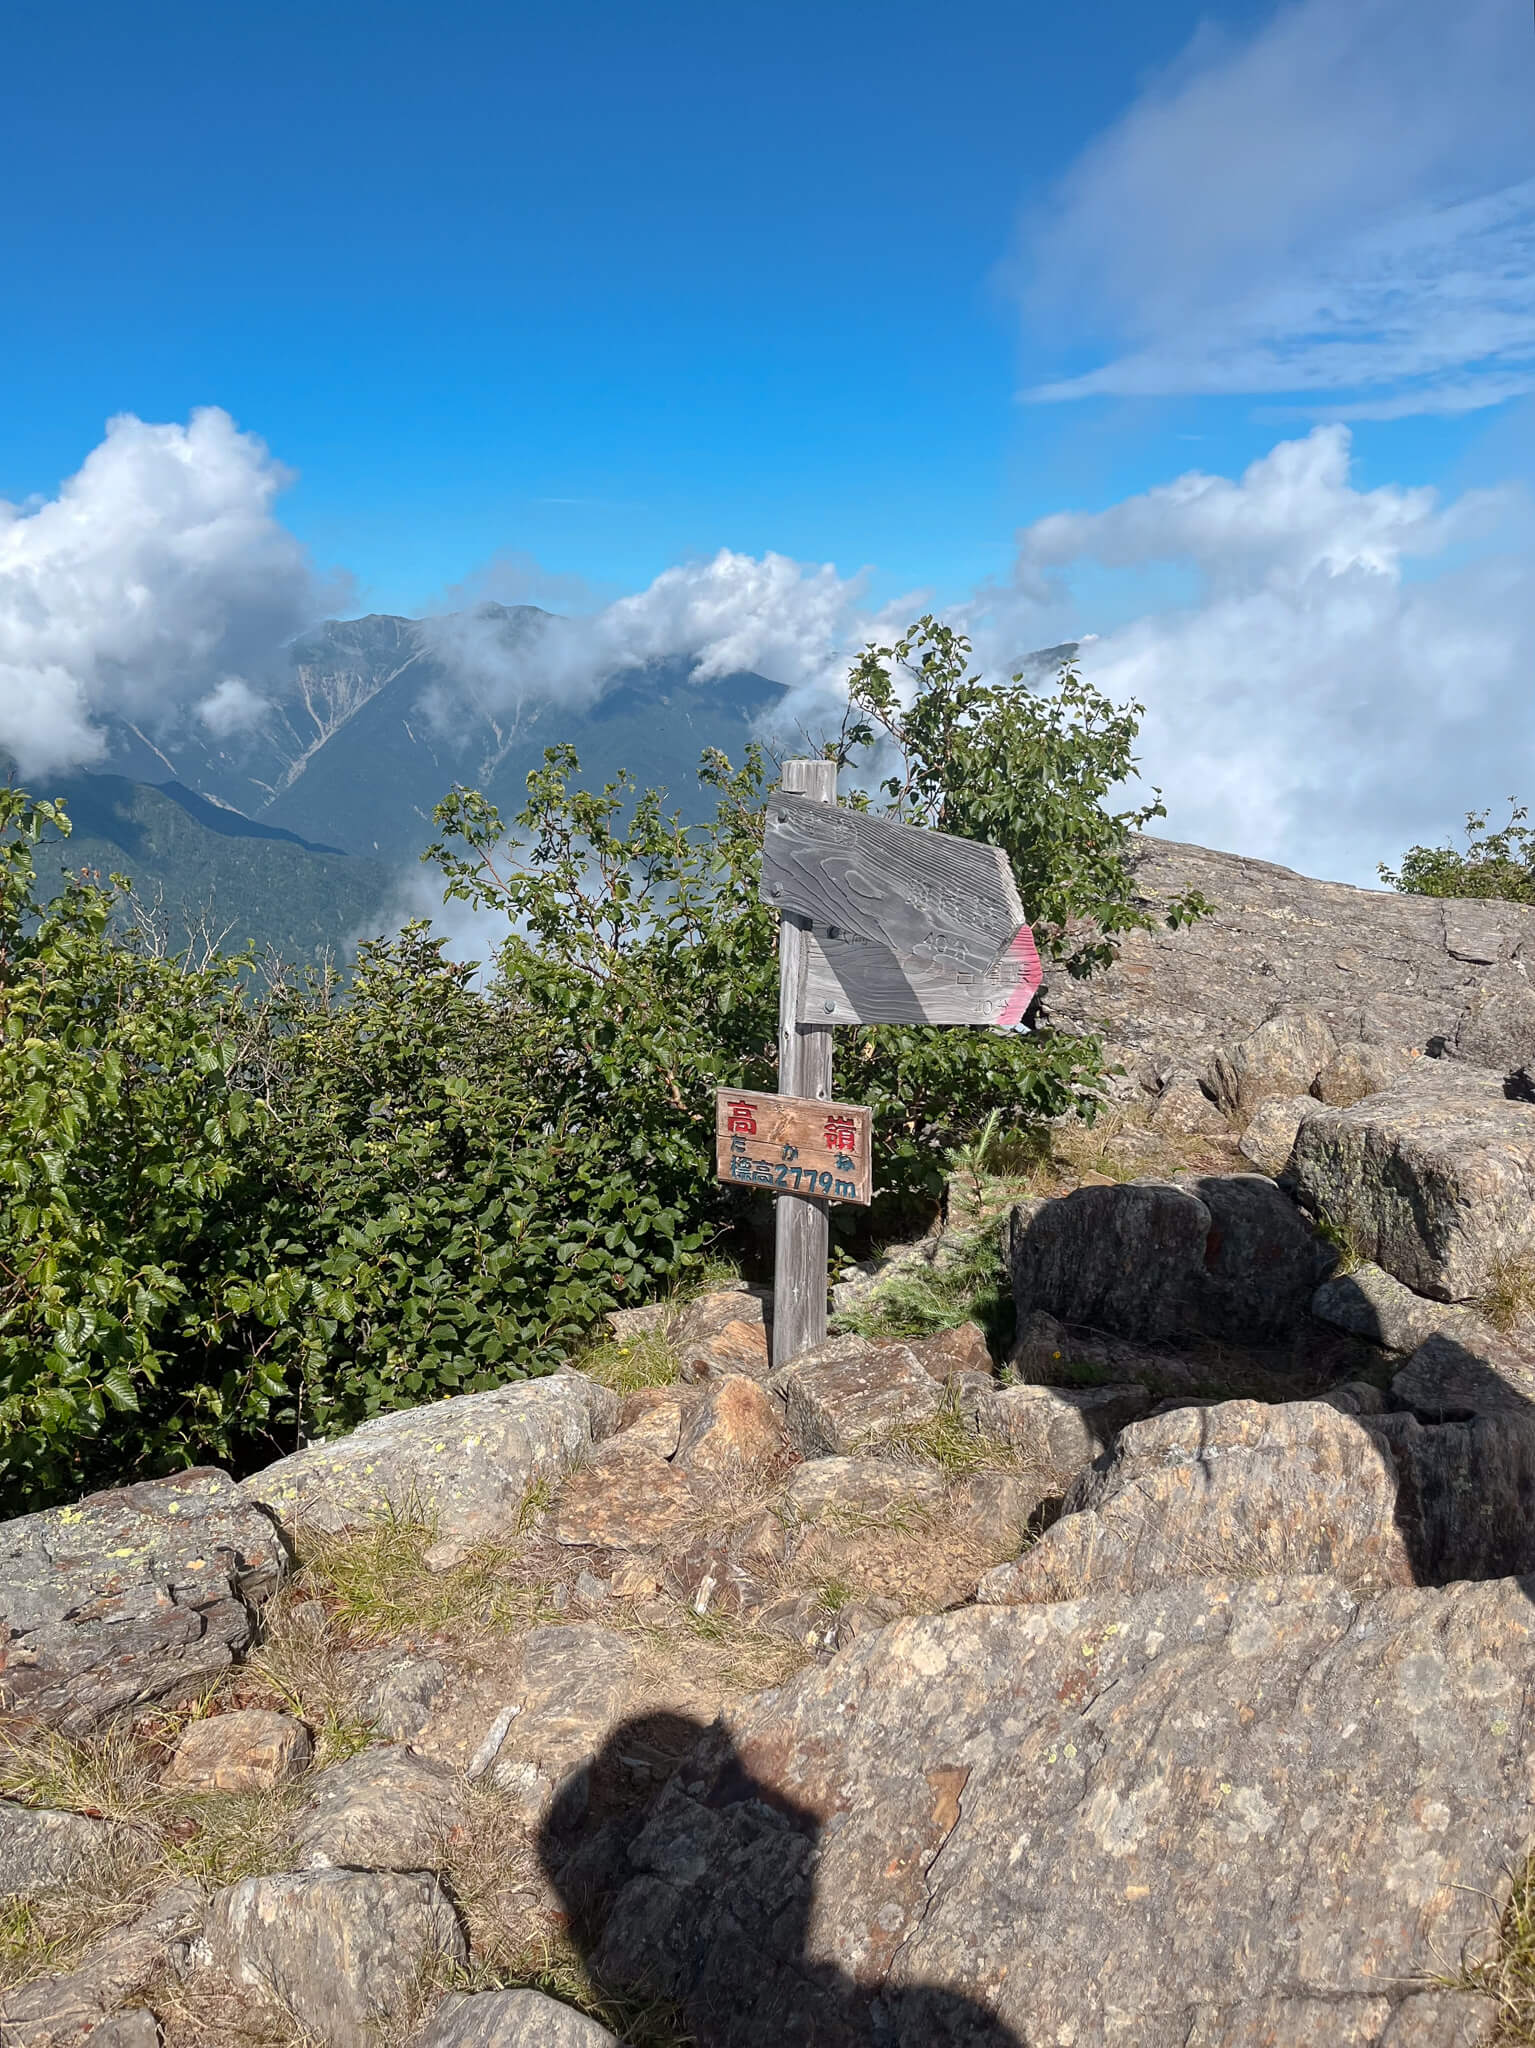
(1024, 955)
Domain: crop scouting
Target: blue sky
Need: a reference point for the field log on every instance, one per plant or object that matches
(555, 302)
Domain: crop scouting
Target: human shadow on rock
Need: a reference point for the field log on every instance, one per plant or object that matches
(706, 1899)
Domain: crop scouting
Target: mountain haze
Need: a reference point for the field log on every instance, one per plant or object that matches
(371, 726)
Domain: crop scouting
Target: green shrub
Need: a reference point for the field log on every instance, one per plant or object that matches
(239, 1209)
(1498, 863)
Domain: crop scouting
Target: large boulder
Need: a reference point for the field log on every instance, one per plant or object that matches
(1246, 1489)
(144, 1593)
(1433, 1179)
(1056, 1432)
(1224, 1256)
(467, 1463)
(1213, 1814)
(343, 1950)
(1382, 968)
(1283, 1056)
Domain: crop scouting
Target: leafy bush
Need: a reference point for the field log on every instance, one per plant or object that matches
(238, 1209)
(1498, 863)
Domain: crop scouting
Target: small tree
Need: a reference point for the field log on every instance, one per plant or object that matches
(1498, 863)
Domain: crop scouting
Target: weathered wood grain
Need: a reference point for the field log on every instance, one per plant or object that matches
(908, 926)
(802, 1239)
(793, 1145)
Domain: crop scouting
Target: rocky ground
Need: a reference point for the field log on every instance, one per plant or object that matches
(1120, 1632)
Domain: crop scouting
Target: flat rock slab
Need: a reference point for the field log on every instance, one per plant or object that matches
(1216, 1813)
(384, 1809)
(249, 1750)
(343, 1950)
(858, 1396)
(467, 1463)
(41, 1848)
(510, 2019)
(624, 1497)
(1224, 1256)
(1434, 1179)
(1173, 998)
(144, 1593)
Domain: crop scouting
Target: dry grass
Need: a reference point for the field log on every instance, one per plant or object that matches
(1506, 1973)
(161, 1836)
(1509, 1301)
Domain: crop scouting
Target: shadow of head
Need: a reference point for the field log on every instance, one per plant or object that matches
(704, 1895)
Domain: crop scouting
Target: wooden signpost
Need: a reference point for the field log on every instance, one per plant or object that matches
(881, 923)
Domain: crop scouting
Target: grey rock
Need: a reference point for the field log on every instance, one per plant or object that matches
(948, 1354)
(510, 2019)
(1270, 1135)
(1056, 1432)
(1357, 1070)
(1376, 964)
(101, 2001)
(1065, 1824)
(1283, 1056)
(576, 1681)
(467, 1462)
(1246, 1489)
(627, 1324)
(1497, 1028)
(840, 1406)
(1434, 1179)
(145, 1593)
(342, 1950)
(249, 1750)
(398, 1701)
(1453, 1374)
(861, 1490)
(1368, 1303)
(1183, 1110)
(41, 1849)
(383, 1809)
(1223, 1255)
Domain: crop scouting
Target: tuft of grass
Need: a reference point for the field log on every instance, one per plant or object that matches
(950, 1442)
(375, 1583)
(923, 1301)
(1510, 1296)
(648, 1360)
(1342, 1240)
(1506, 1972)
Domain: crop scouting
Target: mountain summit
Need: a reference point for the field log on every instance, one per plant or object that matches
(378, 717)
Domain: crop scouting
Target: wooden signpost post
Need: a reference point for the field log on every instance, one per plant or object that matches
(881, 923)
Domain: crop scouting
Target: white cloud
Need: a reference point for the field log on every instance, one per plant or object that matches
(799, 623)
(232, 707)
(157, 568)
(1341, 206)
(1353, 674)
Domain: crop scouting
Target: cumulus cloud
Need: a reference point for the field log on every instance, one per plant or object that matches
(797, 622)
(232, 707)
(1352, 674)
(1340, 207)
(157, 569)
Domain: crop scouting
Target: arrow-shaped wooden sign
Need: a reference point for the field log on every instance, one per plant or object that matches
(907, 926)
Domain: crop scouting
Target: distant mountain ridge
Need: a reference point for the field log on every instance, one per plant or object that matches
(353, 750)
